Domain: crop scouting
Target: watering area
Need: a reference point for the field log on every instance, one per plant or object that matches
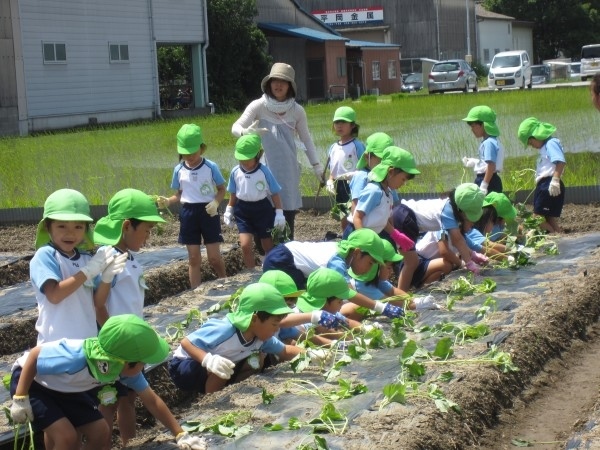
(575, 254)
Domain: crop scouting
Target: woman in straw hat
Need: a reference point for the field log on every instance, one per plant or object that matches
(277, 118)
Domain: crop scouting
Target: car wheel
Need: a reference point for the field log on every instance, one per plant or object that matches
(466, 89)
(522, 83)
(475, 88)
(530, 85)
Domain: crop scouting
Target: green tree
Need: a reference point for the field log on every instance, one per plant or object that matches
(236, 57)
(559, 25)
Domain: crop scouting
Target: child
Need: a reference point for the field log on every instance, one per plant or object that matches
(131, 216)
(482, 120)
(359, 253)
(61, 275)
(343, 156)
(284, 284)
(250, 186)
(595, 91)
(549, 195)
(51, 385)
(223, 351)
(196, 180)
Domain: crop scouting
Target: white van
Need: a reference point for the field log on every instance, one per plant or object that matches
(510, 70)
(590, 61)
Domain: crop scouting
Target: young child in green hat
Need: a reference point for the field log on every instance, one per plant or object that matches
(254, 201)
(482, 120)
(52, 385)
(224, 351)
(549, 196)
(132, 215)
(200, 190)
(62, 275)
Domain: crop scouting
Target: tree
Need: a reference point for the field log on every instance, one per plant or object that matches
(236, 57)
(561, 26)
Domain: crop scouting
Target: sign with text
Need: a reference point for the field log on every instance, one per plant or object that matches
(350, 16)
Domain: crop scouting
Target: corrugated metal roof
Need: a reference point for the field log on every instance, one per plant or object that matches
(369, 44)
(480, 11)
(303, 32)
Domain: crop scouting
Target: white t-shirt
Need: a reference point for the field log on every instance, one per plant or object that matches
(309, 256)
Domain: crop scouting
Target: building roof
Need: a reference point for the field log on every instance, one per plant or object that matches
(301, 32)
(369, 44)
(480, 11)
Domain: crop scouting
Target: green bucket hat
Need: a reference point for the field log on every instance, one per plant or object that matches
(322, 284)
(247, 147)
(189, 139)
(123, 338)
(344, 113)
(365, 240)
(531, 127)
(67, 205)
(469, 199)
(390, 253)
(257, 297)
(125, 204)
(282, 282)
(375, 144)
(393, 157)
(501, 204)
(486, 115)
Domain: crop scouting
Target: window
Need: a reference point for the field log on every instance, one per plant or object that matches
(392, 73)
(341, 67)
(54, 52)
(486, 55)
(118, 53)
(376, 69)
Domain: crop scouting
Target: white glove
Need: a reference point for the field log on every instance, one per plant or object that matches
(319, 171)
(114, 268)
(253, 129)
(162, 202)
(469, 162)
(228, 216)
(21, 411)
(318, 355)
(554, 188)
(427, 302)
(188, 442)
(221, 367)
(212, 208)
(346, 176)
(330, 186)
(483, 187)
(279, 219)
(103, 257)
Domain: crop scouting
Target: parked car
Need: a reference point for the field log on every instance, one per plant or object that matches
(540, 74)
(590, 61)
(509, 70)
(574, 70)
(452, 75)
(412, 83)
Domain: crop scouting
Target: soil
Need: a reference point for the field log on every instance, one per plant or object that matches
(555, 347)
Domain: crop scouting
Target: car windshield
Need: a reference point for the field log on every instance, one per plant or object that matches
(506, 61)
(413, 78)
(591, 52)
(445, 67)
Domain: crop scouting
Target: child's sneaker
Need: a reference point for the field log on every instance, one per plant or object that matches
(427, 302)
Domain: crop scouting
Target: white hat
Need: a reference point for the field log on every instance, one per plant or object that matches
(281, 71)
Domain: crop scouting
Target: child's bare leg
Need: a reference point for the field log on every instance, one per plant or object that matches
(411, 261)
(553, 223)
(62, 434)
(215, 259)
(195, 265)
(344, 223)
(214, 383)
(108, 412)
(247, 245)
(126, 417)
(96, 435)
(437, 268)
(267, 244)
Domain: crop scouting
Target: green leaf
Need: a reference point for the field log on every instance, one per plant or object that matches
(443, 348)
(395, 392)
(446, 376)
(266, 397)
(409, 350)
(294, 423)
(521, 443)
(273, 426)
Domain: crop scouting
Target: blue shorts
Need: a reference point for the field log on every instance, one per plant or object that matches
(196, 225)
(405, 220)
(495, 184)
(280, 258)
(543, 203)
(254, 217)
(420, 272)
(189, 375)
(342, 191)
(79, 408)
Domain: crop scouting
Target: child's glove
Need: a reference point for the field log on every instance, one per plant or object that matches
(554, 188)
(388, 310)
(479, 258)
(279, 222)
(188, 442)
(114, 268)
(212, 208)
(319, 355)
(319, 172)
(472, 267)
(403, 241)
(21, 411)
(330, 186)
(228, 216)
(469, 162)
(483, 187)
(253, 129)
(103, 257)
(346, 176)
(327, 320)
(221, 367)
(162, 202)
(427, 302)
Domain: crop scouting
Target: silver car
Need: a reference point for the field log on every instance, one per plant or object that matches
(452, 75)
